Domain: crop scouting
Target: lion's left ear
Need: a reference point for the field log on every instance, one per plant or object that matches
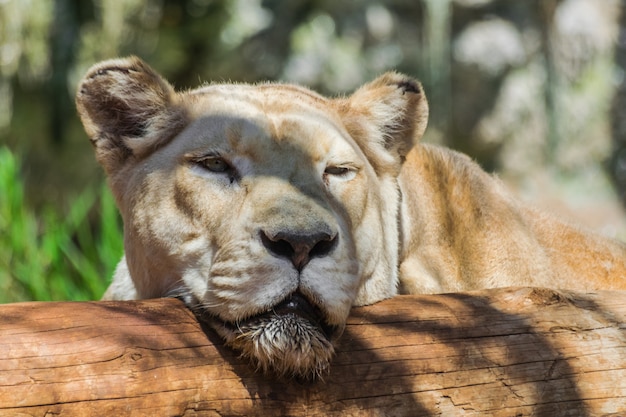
(127, 109)
(386, 117)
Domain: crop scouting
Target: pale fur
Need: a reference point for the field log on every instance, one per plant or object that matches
(407, 217)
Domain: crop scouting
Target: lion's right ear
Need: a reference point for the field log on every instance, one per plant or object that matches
(127, 110)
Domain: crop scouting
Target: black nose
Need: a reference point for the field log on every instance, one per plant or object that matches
(299, 247)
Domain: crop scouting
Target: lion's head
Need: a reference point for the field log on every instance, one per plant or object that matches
(268, 208)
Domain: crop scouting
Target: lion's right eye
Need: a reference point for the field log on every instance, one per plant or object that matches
(214, 164)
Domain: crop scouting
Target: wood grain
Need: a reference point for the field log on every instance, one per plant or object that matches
(501, 352)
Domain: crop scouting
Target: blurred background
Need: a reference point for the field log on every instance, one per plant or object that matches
(534, 90)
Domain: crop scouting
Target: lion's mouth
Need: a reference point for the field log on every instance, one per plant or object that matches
(290, 339)
(295, 305)
(298, 305)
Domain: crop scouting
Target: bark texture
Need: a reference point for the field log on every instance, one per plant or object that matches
(501, 352)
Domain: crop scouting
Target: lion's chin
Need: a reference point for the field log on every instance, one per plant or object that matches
(287, 341)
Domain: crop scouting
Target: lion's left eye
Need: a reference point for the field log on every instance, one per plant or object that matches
(214, 164)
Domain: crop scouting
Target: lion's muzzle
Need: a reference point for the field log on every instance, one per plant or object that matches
(291, 339)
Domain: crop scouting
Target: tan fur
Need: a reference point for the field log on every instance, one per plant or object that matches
(465, 231)
(271, 210)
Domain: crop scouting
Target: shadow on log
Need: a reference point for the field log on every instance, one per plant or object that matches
(501, 352)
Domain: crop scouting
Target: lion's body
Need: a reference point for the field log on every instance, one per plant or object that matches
(463, 230)
(271, 210)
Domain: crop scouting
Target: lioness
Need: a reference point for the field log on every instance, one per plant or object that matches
(271, 210)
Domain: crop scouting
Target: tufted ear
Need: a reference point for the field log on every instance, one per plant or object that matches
(127, 110)
(386, 117)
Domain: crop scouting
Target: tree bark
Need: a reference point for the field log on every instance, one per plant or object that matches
(501, 352)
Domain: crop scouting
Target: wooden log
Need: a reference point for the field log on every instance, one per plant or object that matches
(501, 352)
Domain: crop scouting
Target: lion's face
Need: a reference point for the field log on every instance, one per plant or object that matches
(269, 209)
(254, 216)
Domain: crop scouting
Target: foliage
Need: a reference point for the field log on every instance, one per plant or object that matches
(54, 256)
(499, 75)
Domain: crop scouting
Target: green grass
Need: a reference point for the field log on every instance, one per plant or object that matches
(49, 255)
